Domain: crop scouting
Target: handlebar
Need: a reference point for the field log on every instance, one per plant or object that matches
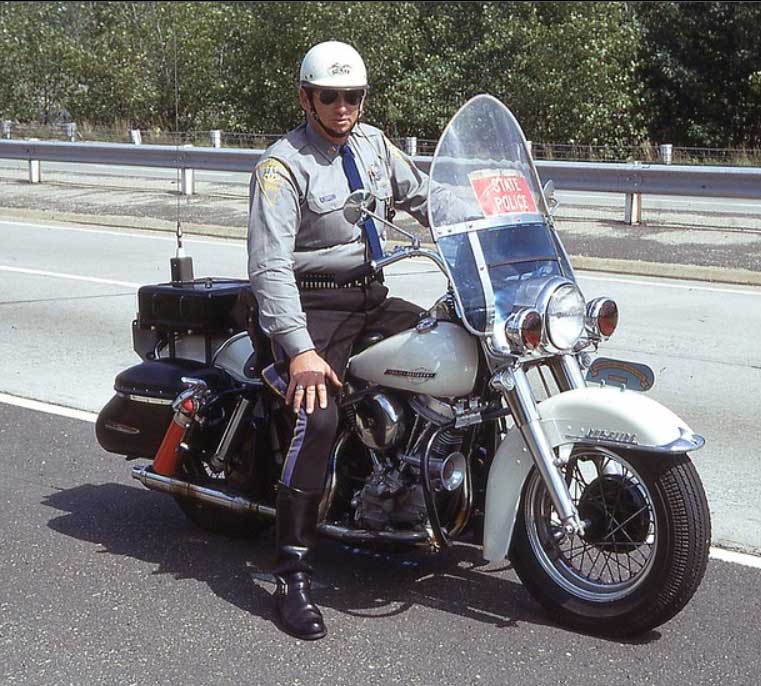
(400, 253)
(366, 269)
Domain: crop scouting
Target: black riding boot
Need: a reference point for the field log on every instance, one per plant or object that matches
(296, 532)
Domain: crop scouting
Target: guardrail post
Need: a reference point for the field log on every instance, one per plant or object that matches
(135, 137)
(70, 130)
(530, 146)
(35, 174)
(187, 178)
(216, 138)
(633, 208)
(5, 128)
(188, 182)
(410, 145)
(665, 151)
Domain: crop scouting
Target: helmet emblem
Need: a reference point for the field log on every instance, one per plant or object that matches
(340, 69)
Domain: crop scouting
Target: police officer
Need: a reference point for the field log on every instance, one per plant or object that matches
(298, 242)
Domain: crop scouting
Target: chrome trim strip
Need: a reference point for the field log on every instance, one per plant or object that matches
(145, 399)
(685, 443)
(487, 223)
(483, 274)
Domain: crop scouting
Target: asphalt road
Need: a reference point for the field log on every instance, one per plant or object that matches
(67, 298)
(104, 582)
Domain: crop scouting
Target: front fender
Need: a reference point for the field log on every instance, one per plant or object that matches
(590, 416)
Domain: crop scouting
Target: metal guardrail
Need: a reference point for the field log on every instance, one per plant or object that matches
(633, 180)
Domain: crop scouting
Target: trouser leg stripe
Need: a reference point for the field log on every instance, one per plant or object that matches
(297, 443)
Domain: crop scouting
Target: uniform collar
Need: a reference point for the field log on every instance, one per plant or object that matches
(329, 150)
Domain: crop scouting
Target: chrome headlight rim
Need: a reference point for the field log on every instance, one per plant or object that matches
(594, 314)
(518, 323)
(554, 340)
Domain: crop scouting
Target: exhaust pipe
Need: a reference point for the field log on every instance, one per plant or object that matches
(167, 484)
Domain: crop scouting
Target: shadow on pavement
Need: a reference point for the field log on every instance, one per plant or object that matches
(363, 583)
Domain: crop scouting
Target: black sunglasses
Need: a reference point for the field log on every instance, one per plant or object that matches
(328, 97)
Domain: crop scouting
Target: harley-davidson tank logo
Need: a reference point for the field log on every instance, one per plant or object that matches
(419, 375)
(613, 436)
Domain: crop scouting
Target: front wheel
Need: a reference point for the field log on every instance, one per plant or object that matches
(644, 551)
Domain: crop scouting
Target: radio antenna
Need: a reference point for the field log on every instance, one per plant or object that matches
(181, 266)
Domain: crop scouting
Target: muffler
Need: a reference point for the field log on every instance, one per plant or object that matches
(168, 484)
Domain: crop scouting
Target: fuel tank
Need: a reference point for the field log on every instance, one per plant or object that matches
(441, 361)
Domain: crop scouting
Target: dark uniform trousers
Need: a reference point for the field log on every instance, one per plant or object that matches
(336, 318)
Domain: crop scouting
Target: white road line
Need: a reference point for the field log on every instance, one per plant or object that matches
(736, 558)
(663, 283)
(131, 233)
(71, 277)
(237, 243)
(59, 410)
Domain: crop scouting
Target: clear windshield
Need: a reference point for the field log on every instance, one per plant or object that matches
(487, 213)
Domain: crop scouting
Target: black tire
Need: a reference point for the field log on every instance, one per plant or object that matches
(644, 509)
(216, 520)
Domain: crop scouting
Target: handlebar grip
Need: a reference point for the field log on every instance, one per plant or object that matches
(360, 272)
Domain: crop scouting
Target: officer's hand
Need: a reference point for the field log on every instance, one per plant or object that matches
(308, 373)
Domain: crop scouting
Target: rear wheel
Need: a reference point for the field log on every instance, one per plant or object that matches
(215, 519)
(644, 551)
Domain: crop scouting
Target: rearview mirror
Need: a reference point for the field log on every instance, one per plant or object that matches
(549, 195)
(356, 204)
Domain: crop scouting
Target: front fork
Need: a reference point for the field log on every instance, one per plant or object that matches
(513, 383)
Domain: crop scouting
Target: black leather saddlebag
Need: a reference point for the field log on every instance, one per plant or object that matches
(134, 421)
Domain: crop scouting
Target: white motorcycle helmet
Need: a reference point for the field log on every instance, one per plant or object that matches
(333, 65)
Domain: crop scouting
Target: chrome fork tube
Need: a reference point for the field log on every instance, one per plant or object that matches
(516, 388)
(567, 372)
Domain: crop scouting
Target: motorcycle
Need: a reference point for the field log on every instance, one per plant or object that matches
(491, 419)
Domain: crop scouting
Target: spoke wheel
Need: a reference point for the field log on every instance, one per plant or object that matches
(644, 549)
(618, 547)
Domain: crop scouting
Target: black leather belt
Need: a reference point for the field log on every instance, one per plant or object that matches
(318, 281)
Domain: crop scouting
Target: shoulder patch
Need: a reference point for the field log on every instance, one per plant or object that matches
(271, 175)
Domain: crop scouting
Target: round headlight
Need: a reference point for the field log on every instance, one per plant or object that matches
(566, 313)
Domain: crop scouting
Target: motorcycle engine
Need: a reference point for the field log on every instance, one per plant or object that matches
(398, 434)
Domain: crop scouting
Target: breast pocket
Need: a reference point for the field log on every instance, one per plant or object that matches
(381, 182)
(324, 224)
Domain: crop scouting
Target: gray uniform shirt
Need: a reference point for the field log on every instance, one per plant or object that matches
(296, 223)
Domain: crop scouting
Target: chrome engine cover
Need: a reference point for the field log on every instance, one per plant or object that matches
(380, 421)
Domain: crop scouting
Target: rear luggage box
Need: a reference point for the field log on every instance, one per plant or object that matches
(206, 307)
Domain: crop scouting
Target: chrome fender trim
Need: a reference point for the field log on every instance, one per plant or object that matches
(595, 416)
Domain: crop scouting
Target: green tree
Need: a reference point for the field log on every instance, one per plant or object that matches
(39, 57)
(702, 67)
(568, 69)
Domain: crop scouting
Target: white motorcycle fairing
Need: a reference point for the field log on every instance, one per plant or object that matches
(591, 416)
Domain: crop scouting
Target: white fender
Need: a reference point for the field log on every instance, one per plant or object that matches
(593, 416)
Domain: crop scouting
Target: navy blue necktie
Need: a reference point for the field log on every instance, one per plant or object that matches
(355, 184)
